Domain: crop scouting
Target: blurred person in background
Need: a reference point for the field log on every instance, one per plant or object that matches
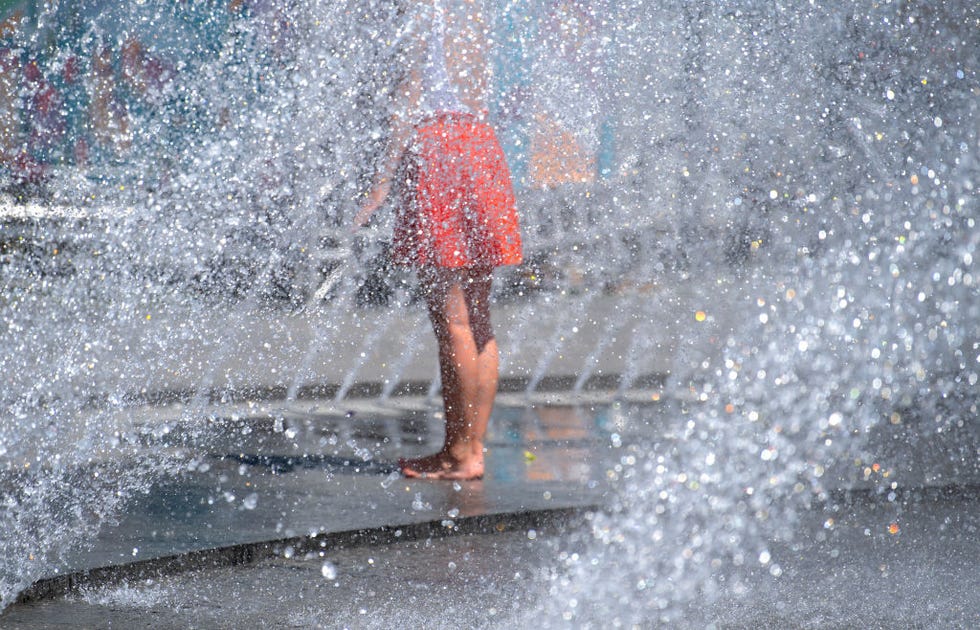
(456, 218)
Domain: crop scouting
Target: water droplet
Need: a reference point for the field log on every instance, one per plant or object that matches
(390, 479)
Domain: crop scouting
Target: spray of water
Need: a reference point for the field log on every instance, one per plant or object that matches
(819, 162)
(848, 155)
(203, 155)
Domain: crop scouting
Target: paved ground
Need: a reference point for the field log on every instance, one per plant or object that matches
(925, 578)
(255, 480)
(182, 345)
(281, 503)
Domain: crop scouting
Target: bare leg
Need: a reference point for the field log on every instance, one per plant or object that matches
(459, 308)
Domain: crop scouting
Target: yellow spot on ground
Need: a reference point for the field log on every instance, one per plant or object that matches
(700, 316)
(893, 528)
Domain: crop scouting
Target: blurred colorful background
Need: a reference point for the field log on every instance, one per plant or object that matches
(78, 81)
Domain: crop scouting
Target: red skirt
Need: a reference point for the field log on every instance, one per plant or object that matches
(456, 198)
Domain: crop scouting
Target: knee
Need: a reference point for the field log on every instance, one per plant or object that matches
(476, 330)
(458, 332)
(457, 321)
(479, 324)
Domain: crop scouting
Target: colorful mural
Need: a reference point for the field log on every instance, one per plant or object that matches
(13, 15)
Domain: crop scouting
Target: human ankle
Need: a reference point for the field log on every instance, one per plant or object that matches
(469, 450)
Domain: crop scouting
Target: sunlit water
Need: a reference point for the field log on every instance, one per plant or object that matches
(818, 161)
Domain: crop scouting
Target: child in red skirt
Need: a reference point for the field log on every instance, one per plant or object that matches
(456, 220)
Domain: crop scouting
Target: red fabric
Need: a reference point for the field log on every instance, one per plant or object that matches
(457, 202)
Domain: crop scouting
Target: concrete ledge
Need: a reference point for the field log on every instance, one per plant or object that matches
(250, 553)
(247, 553)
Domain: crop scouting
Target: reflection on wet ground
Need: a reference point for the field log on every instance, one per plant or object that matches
(839, 578)
(291, 473)
(298, 475)
(524, 443)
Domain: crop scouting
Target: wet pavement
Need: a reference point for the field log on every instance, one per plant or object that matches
(254, 485)
(846, 577)
(293, 516)
(870, 569)
(463, 581)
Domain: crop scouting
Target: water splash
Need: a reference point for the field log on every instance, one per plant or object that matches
(858, 321)
(831, 189)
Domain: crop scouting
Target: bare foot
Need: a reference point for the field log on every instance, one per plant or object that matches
(442, 465)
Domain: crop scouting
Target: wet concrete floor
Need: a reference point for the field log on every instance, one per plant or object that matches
(312, 474)
(272, 482)
(926, 578)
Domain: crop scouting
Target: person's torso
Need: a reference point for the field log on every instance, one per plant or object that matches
(453, 68)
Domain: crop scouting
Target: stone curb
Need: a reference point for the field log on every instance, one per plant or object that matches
(253, 552)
